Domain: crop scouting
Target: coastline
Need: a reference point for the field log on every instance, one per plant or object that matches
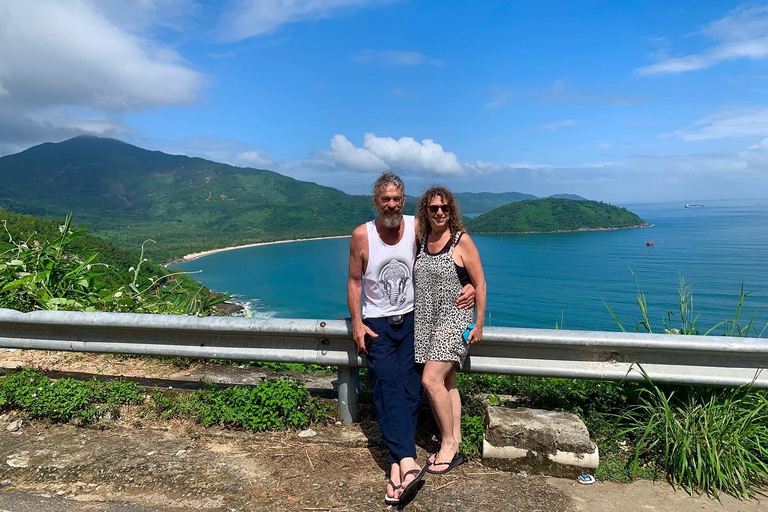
(196, 255)
(201, 254)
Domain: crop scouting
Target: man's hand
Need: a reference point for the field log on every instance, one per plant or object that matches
(358, 335)
(467, 298)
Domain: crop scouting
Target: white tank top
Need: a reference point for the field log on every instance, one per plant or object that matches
(389, 274)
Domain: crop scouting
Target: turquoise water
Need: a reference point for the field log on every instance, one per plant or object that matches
(538, 280)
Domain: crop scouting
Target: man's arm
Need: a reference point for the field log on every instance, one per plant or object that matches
(358, 246)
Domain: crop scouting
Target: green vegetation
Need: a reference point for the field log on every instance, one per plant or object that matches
(48, 266)
(275, 404)
(272, 405)
(66, 399)
(708, 440)
(545, 215)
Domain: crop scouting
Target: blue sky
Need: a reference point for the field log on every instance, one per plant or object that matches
(617, 101)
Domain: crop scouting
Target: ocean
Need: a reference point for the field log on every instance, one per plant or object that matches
(544, 280)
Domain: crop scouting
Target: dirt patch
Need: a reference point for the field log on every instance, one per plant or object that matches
(180, 466)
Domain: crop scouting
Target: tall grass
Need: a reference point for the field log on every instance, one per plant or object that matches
(707, 440)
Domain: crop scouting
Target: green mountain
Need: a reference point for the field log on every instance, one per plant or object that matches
(128, 194)
(546, 215)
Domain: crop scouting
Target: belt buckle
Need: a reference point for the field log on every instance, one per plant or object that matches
(395, 320)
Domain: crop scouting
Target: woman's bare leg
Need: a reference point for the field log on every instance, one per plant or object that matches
(434, 381)
(453, 392)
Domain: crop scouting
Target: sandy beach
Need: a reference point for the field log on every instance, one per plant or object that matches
(195, 255)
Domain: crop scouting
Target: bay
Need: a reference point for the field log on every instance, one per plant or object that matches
(540, 280)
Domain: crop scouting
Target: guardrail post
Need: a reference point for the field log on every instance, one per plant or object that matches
(349, 388)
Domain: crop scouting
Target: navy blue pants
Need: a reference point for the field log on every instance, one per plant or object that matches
(396, 385)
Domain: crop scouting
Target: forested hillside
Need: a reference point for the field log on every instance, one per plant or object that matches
(543, 215)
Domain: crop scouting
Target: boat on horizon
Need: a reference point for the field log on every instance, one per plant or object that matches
(694, 205)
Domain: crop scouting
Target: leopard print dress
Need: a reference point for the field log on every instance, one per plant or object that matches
(438, 323)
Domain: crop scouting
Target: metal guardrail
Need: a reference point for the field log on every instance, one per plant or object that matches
(711, 360)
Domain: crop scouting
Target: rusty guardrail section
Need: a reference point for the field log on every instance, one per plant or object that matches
(668, 358)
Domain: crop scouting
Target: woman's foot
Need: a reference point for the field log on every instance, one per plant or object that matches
(444, 460)
(443, 467)
(448, 450)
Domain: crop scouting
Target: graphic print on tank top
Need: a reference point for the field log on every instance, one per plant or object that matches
(394, 279)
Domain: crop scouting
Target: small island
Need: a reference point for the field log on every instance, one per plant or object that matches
(554, 215)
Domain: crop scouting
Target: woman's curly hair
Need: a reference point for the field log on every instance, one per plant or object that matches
(455, 224)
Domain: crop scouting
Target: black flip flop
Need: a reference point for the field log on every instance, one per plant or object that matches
(458, 460)
(410, 489)
(391, 500)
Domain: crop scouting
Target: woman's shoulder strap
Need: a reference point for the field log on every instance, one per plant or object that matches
(456, 238)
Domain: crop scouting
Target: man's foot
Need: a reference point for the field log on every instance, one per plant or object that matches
(411, 481)
(392, 496)
(394, 487)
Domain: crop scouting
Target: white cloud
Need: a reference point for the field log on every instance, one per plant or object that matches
(394, 58)
(259, 159)
(553, 127)
(741, 34)
(379, 153)
(217, 149)
(137, 15)
(60, 58)
(80, 58)
(346, 154)
(249, 18)
(729, 122)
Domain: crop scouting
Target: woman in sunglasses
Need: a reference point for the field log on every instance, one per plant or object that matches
(447, 260)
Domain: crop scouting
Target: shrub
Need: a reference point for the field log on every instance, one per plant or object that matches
(65, 399)
(274, 404)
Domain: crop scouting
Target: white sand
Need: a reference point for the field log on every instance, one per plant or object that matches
(196, 255)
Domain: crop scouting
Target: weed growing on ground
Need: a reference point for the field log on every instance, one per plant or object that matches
(66, 399)
(274, 404)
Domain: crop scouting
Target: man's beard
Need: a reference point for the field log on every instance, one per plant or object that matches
(391, 220)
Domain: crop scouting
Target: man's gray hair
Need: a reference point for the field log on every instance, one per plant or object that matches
(386, 179)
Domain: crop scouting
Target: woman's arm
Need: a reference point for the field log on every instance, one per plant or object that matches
(470, 259)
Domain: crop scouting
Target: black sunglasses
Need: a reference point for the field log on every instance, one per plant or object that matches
(434, 207)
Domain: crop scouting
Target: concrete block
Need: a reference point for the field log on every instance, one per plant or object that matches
(538, 442)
